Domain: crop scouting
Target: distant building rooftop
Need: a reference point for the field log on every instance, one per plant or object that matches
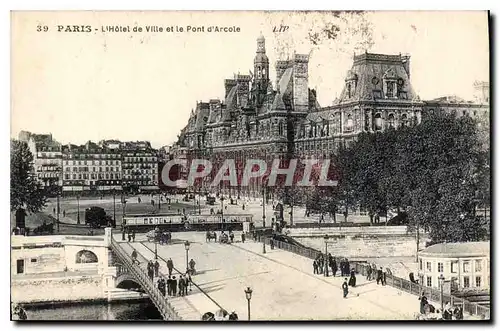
(466, 249)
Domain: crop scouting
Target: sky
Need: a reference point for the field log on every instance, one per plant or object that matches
(83, 86)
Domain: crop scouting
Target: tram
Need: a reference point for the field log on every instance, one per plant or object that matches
(179, 222)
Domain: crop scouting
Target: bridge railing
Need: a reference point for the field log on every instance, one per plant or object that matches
(432, 294)
(155, 295)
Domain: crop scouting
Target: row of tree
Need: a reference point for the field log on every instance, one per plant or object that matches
(436, 173)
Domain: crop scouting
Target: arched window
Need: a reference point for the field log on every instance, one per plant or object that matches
(404, 120)
(391, 120)
(85, 256)
(378, 121)
(280, 129)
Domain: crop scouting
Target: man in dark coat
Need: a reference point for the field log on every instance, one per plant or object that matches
(169, 285)
(379, 275)
(157, 268)
(243, 237)
(315, 267)
(345, 288)
(181, 285)
(151, 272)
(334, 267)
(174, 286)
(170, 266)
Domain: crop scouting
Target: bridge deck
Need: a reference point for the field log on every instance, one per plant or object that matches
(284, 287)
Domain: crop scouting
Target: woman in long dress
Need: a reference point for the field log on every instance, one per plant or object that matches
(352, 280)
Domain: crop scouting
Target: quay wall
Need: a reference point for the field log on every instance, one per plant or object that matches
(68, 289)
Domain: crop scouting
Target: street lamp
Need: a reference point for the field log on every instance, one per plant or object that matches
(156, 242)
(326, 256)
(222, 211)
(263, 206)
(248, 294)
(186, 246)
(441, 282)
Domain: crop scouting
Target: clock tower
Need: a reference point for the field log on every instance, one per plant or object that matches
(261, 72)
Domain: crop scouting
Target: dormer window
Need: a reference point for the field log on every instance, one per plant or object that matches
(378, 122)
(404, 120)
(349, 123)
(391, 121)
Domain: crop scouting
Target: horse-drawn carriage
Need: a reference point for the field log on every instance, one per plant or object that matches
(159, 237)
(224, 238)
(211, 235)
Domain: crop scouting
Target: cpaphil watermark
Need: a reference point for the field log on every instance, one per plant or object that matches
(237, 173)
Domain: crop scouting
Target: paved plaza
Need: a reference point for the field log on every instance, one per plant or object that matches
(283, 284)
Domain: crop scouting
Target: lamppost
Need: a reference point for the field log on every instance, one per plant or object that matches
(248, 294)
(78, 207)
(441, 283)
(326, 255)
(156, 243)
(58, 212)
(222, 211)
(186, 246)
(114, 207)
(263, 206)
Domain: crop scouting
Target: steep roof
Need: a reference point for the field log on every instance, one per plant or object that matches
(369, 71)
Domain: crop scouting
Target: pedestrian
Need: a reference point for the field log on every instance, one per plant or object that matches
(170, 266)
(151, 271)
(157, 268)
(334, 267)
(133, 235)
(315, 267)
(345, 288)
(384, 278)
(181, 286)
(174, 286)
(379, 275)
(188, 281)
(64, 213)
(169, 285)
(330, 262)
(243, 237)
(352, 280)
(129, 236)
(368, 272)
(134, 257)
(54, 211)
(233, 316)
(192, 265)
(347, 267)
(272, 243)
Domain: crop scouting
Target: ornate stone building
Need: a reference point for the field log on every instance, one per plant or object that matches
(259, 119)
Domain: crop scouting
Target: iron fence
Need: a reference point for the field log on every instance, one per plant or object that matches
(431, 293)
(155, 295)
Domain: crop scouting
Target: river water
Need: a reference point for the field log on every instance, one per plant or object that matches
(119, 311)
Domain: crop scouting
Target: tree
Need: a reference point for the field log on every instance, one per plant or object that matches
(433, 171)
(26, 193)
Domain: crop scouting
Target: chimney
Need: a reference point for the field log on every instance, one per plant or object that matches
(405, 59)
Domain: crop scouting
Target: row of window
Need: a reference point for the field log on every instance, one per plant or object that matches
(92, 176)
(139, 159)
(94, 169)
(143, 171)
(454, 266)
(92, 156)
(92, 162)
(465, 282)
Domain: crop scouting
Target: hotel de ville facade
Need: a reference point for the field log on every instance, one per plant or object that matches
(266, 119)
